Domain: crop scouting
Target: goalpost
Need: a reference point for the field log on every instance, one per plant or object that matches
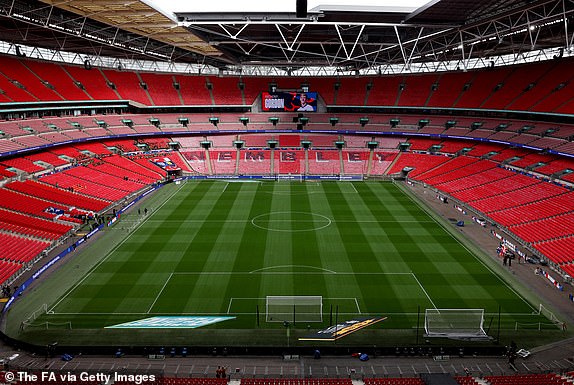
(294, 308)
(289, 177)
(455, 323)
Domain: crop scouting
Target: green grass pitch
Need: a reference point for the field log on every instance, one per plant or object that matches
(219, 248)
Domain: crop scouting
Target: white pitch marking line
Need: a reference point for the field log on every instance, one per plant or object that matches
(229, 307)
(258, 271)
(159, 294)
(357, 303)
(225, 188)
(353, 186)
(476, 257)
(280, 220)
(282, 266)
(423, 289)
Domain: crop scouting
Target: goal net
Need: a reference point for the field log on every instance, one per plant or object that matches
(455, 323)
(294, 308)
(289, 177)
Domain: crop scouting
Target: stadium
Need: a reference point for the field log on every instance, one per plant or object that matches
(376, 194)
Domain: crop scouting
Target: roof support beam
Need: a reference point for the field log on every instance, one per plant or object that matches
(401, 46)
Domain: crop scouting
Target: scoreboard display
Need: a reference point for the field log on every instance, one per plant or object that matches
(289, 101)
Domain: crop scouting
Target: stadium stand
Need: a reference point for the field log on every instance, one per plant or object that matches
(7, 269)
(135, 171)
(546, 228)
(417, 90)
(382, 160)
(254, 162)
(422, 144)
(194, 381)
(193, 90)
(321, 141)
(420, 162)
(515, 84)
(18, 202)
(253, 86)
(528, 87)
(223, 161)
(454, 169)
(197, 161)
(557, 249)
(14, 92)
(22, 164)
(296, 381)
(528, 379)
(93, 82)
(85, 181)
(352, 92)
(545, 208)
(453, 146)
(128, 85)
(327, 86)
(355, 161)
(225, 90)
(289, 162)
(14, 69)
(385, 91)
(355, 141)
(19, 249)
(394, 381)
(56, 76)
(325, 162)
(56, 195)
(161, 89)
(449, 88)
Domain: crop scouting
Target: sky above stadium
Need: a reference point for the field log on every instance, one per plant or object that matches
(171, 6)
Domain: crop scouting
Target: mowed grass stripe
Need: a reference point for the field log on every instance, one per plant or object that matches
(206, 293)
(434, 256)
(334, 256)
(278, 245)
(147, 260)
(361, 257)
(177, 294)
(368, 208)
(250, 257)
(98, 291)
(480, 289)
(386, 255)
(305, 243)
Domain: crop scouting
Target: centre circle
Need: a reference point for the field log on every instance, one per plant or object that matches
(290, 221)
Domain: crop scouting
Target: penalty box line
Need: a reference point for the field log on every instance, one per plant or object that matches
(423, 289)
(263, 298)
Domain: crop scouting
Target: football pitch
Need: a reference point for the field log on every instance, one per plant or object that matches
(219, 248)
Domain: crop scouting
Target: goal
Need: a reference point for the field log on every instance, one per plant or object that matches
(455, 323)
(294, 308)
(289, 177)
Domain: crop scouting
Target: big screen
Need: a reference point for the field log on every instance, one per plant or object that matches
(289, 101)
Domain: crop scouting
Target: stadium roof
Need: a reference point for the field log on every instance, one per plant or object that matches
(348, 38)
